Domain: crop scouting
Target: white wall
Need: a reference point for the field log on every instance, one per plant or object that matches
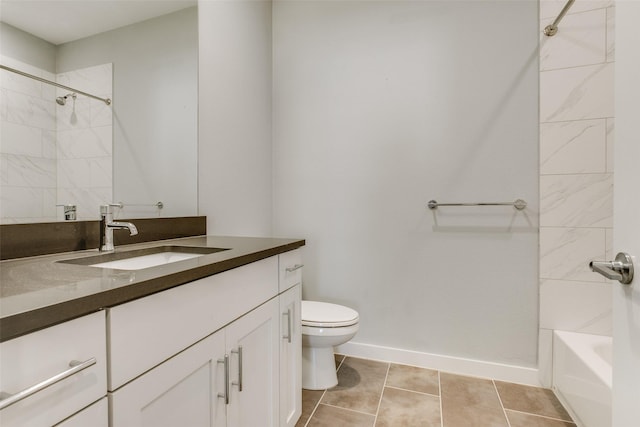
(234, 138)
(576, 170)
(381, 106)
(27, 48)
(155, 98)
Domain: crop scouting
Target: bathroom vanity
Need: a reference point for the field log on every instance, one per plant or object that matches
(212, 340)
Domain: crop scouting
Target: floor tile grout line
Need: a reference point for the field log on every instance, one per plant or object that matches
(314, 409)
(347, 409)
(412, 391)
(544, 416)
(384, 384)
(440, 396)
(504, 411)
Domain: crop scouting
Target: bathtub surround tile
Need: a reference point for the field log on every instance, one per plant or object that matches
(611, 32)
(551, 8)
(610, 251)
(407, 408)
(611, 131)
(565, 253)
(20, 202)
(559, 310)
(580, 41)
(30, 172)
(360, 384)
(532, 400)
(30, 111)
(4, 165)
(545, 356)
(573, 147)
(49, 148)
(519, 419)
(584, 200)
(576, 93)
(21, 139)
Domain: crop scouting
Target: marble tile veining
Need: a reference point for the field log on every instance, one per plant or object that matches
(573, 147)
(584, 200)
(576, 93)
(565, 253)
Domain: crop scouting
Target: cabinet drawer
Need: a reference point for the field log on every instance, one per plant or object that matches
(32, 359)
(145, 332)
(290, 269)
(96, 415)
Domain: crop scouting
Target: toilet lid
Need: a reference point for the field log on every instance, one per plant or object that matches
(327, 315)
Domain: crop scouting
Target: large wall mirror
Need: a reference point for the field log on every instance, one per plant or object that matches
(62, 148)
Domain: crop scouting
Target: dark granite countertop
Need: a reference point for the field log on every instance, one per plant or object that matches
(37, 292)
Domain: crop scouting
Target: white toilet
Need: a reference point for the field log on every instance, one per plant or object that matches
(324, 326)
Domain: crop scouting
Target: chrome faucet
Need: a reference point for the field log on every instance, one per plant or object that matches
(107, 225)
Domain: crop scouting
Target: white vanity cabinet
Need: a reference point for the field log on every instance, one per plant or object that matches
(71, 356)
(230, 378)
(290, 284)
(290, 357)
(213, 352)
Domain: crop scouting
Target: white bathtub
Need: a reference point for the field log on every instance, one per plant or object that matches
(582, 376)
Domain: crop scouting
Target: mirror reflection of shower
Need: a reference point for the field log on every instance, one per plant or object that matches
(62, 100)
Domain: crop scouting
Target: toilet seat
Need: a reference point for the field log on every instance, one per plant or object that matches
(326, 315)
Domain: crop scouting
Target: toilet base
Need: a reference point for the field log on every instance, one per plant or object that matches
(318, 368)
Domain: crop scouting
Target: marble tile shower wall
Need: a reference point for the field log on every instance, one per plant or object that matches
(54, 154)
(28, 145)
(84, 142)
(576, 167)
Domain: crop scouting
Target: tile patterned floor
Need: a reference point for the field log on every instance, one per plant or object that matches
(371, 393)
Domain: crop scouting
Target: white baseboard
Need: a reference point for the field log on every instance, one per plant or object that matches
(455, 365)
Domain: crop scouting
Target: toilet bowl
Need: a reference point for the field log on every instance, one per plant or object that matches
(324, 326)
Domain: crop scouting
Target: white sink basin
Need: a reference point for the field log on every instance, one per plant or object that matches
(143, 258)
(146, 261)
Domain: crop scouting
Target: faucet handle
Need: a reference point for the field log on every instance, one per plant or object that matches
(105, 209)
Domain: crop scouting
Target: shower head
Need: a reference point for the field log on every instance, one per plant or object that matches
(62, 100)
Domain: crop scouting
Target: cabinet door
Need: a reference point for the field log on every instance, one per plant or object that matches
(290, 358)
(253, 344)
(186, 390)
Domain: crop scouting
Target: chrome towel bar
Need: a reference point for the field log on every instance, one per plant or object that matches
(518, 204)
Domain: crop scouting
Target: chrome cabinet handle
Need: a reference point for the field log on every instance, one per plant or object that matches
(75, 368)
(294, 268)
(288, 336)
(239, 353)
(621, 269)
(225, 396)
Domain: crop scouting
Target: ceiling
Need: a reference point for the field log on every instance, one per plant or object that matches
(62, 21)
